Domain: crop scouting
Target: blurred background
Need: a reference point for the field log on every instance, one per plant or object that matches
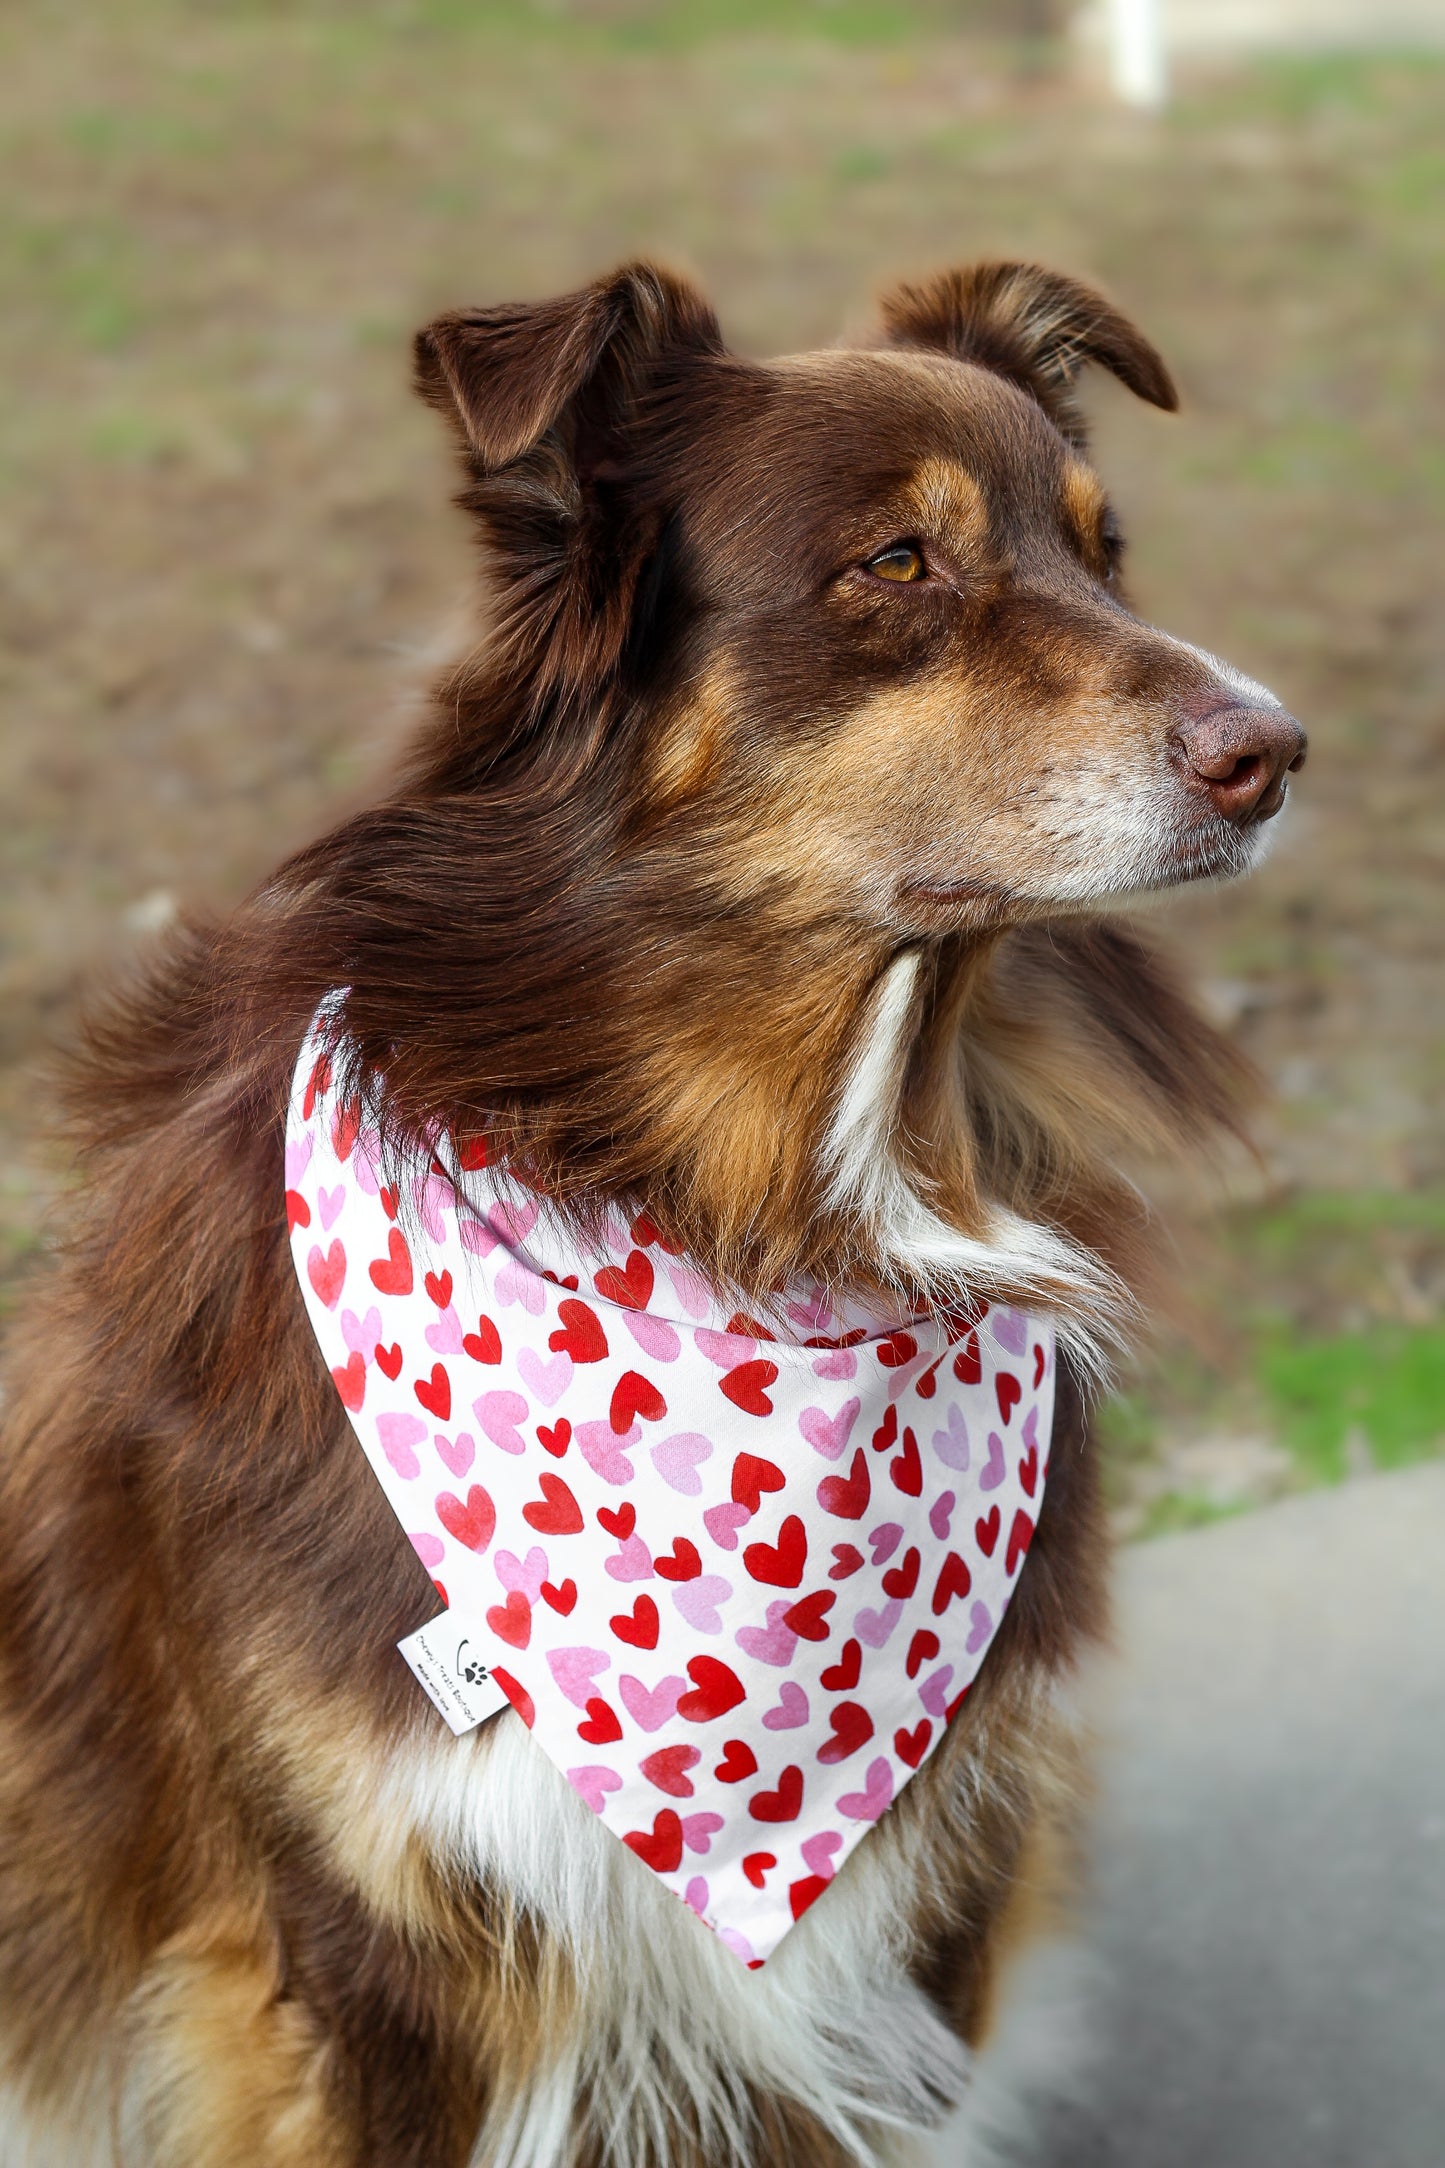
(227, 545)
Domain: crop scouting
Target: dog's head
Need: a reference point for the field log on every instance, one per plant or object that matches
(854, 616)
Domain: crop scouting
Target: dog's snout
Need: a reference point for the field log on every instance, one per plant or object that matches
(1240, 754)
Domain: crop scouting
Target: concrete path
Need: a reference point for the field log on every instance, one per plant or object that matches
(1267, 1934)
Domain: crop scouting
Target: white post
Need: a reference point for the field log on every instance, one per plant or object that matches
(1136, 43)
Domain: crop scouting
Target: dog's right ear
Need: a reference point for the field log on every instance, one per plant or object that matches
(569, 369)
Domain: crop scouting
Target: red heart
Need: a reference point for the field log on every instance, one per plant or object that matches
(805, 1618)
(907, 1469)
(902, 1580)
(746, 1385)
(638, 1628)
(389, 1358)
(986, 1529)
(440, 1290)
(780, 1564)
(1039, 1359)
(668, 1768)
(887, 1432)
(351, 1380)
(923, 1646)
(954, 1579)
(806, 1892)
(327, 1274)
(682, 1564)
(634, 1395)
(563, 1600)
(848, 1561)
(629, 1285)
(318, 1083)
(555, 1438)
(715, 1689)
(345, 1128)
(661, 1846)
(601, 1726)
(578, 1333)
(911, 1746)
(1029, 1470)
(1020, 1536)
(927, 1385)
(619, 1521)
(751, 1477)
(472, 1153)
(298, 1212)
(738, 1761)
(896, 1349)
(847, 1496)
(783, 1805)
(485, 1344)
(518, 1696)
(569, 1280)
(435, 1392)
(560, 1515)
(512, 1621)
(392, 1273)
(1009, 1392)
(474, 1523)
(968, 1363)
(852, 1728)
(390, 1197)
(842, 1677)
(756, 1865)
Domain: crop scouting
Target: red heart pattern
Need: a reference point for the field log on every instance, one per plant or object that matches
(688, 1623)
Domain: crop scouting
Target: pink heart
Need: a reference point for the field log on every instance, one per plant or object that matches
(695, 1895)
(884, 1541)
(433, 1196)
(516, 1283)
(980, 1631)
(592, 1781)
(829, 1434)
(904, 1375)
(773, 1643)
(693, 1293)
(653, 1335)
(330, 1202)
(838, 1362)
(698, 1830)
(366, 1161)
(697, 1602)
(575, 1671)
(791, 1709)
(867, 1805)
(811, 1313)
(933, 1693)
(874, 1627)
(476, 1235)
(818, 1851)
(995, 1471)
(546, 1381)
(650, 1710)
(362, 1333)
(726, 1349)
(632, 1562)
(722, 1523)
(298, 1159)
(1030, 1432)
(527, 1573)
(941, 1514)
(678, 1459)
(499, 1415)
(605, 1453)
(1010, 1329)
(512, 1219)
(951, 1445)
(429, 1549)
(398, 1434)
(458, 1457)
(446, 1334)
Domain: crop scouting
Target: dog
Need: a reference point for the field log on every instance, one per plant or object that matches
(751, 868)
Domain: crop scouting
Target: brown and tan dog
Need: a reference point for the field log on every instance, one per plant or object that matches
(743, 871)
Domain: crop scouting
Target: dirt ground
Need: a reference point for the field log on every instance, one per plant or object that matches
(226, 549)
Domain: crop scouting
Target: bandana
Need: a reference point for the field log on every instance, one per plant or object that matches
(737, 1578)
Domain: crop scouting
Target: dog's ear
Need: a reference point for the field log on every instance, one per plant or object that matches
(508, 377)
(1036, 327)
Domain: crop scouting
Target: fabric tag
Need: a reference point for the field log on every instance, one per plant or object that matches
(447, 1657)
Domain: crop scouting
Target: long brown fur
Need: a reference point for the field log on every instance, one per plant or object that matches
(617, 913)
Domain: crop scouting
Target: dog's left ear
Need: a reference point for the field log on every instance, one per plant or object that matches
(1034, 326)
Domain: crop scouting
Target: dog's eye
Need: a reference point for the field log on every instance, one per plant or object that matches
(900, 561)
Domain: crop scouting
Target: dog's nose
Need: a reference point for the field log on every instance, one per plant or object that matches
(1241, 755)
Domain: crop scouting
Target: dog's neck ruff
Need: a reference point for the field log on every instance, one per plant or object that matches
(736, 1578)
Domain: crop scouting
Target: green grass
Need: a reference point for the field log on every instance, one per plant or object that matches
(1386, 1386)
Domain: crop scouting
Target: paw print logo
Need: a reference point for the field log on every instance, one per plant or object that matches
(471, 1668)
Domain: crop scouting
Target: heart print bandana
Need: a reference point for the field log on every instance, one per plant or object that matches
(736, 1577)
